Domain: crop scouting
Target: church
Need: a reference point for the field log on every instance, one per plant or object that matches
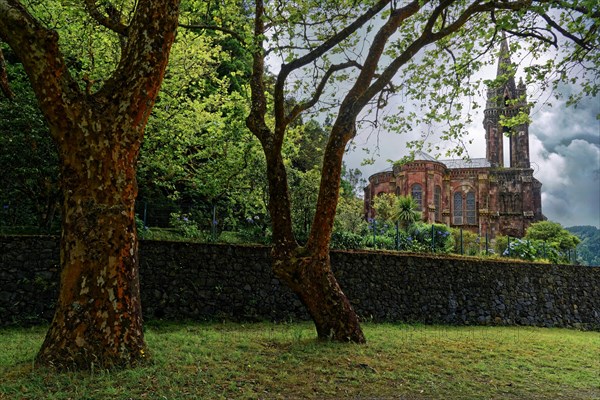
(481, 195)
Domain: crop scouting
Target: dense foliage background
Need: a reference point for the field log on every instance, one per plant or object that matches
(201, 173)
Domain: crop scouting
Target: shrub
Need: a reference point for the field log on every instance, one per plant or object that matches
(521, 248)
(430, 238)
(346, 240)
(186, 226)
(470, 242)
(381, 242)
(256, 229)
(531, 250)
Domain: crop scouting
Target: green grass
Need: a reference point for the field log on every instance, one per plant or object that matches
(256, 361)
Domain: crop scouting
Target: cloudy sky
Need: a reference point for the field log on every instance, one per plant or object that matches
(564, 149)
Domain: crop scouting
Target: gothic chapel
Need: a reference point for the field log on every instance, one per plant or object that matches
(480, 194)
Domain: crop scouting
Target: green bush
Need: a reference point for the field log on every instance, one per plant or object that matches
(470, 242)
(343, 240)
(256, 233)
(186, 226)
(530, 250)
(435, 238)
(381, 242)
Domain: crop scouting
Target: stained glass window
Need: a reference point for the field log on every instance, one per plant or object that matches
(471, 212)
(437, 200)
(458, 209)
(417, 195)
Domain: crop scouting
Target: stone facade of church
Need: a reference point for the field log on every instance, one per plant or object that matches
(481, 195)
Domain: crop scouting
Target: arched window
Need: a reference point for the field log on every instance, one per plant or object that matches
(457, 209)
(417, 195)
(470, 209)
(397, 191)
(437, 201)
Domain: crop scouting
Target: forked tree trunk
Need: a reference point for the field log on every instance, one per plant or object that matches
(98, 318)
(311, 278)
(307, 270)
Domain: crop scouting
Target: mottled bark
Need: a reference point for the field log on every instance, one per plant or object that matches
(98, 320)
(311, 278)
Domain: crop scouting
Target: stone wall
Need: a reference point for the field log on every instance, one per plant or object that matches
(199, 281)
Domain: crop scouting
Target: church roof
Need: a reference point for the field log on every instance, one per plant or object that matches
(456, 163)
(450, 164)
(422, 156)
(469, 163)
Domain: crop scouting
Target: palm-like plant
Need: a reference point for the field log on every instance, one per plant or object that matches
(406, 212)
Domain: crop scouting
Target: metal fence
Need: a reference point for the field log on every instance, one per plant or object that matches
(182, 220)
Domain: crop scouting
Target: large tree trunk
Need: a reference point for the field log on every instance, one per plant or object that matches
(98, 319)
(311, 278)
(307, 270)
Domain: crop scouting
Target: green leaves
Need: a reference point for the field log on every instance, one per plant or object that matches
(553, 233)
(29, 180)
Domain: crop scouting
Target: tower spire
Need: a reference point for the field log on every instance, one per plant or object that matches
(506, 99)
(504, 63)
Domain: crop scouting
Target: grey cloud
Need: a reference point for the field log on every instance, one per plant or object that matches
(570, 178)
(565, 152)
(559, 125)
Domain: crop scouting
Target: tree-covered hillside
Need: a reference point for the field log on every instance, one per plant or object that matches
(589, 248)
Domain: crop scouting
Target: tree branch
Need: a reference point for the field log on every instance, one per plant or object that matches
(314, 54)
(376, 51)
(112, 21)
(299, 108)
(428, 36)
(144, 60)
(4, 85)
(565, 33)
(37, 48)
(233, 34)
(580, 9)
(258, 105)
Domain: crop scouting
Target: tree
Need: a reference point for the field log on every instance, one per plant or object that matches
(310, 38)
(554, 234)
(406, 212)
(352, 181)
(350, 216)
(385, 207)
(198, 154)
(589, 248)
(98, 128)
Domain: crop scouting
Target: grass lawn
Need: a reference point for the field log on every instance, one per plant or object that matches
(272, 361)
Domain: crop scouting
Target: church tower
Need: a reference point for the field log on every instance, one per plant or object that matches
(506, 99)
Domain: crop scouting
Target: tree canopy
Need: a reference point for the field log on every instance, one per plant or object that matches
(554, 233)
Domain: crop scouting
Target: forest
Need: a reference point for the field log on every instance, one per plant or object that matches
(223, 120)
